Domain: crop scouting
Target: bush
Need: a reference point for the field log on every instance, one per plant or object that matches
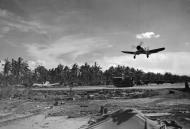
(7, 92)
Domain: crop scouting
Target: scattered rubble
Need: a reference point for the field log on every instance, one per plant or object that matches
(98, 103)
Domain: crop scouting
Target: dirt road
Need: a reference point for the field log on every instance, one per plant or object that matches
(40, 122)
(150, 86)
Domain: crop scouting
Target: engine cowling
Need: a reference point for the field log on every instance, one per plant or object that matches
(138, 47)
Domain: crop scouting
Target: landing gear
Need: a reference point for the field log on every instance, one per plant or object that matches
(134, 56)
(147, 55)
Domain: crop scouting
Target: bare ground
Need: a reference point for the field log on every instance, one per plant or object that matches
(27, 114)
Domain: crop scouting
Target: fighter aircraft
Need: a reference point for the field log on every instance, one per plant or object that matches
(141, 50)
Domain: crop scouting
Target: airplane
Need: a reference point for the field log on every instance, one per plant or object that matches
(141, 50)
(46, 84)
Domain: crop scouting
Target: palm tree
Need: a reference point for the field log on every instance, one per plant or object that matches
(25, 74)
(59, 73)
(6, 70)
(18, 69)
(66, 74)
(74, 73)
(85, 74)
(96, 74)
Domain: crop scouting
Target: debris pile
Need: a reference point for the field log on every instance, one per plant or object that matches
(124, 119)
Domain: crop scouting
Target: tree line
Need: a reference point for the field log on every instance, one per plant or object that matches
(16, 72)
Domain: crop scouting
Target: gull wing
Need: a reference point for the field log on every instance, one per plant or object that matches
(128, 52)
(156, 50)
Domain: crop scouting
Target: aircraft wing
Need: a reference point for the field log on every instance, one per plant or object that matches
(128, 52)
(156, 50)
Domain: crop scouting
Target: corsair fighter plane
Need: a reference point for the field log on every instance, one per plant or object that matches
(141, 50)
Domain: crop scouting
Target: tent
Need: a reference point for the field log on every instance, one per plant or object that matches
(126, 119)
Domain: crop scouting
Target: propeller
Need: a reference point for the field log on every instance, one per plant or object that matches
(135, 46)
(147, 48)
(141, 43)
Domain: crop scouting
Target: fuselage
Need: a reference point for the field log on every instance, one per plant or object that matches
(141, 50)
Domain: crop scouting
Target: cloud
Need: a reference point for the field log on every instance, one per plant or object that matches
(25, 26)
(33, 64)
(3, 13)
(175, 62)
(12, 21)
(2, 62)
(5, 29)
(147, 35)
(66, 50)
(187, 43)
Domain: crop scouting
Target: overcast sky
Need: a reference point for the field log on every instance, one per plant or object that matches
(50, 32)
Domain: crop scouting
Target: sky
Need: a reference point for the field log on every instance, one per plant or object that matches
(50, 32)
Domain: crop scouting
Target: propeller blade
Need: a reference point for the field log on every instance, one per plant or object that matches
(133, 46)
(141, 43)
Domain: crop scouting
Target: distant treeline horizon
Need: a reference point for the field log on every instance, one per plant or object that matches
(18, 72)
